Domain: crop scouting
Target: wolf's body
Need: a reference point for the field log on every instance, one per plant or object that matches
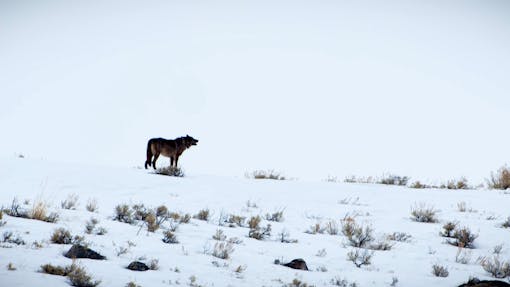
(169, 148)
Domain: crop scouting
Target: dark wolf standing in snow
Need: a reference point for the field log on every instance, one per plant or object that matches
(169, 148)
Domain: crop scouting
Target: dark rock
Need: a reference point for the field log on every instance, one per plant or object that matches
(138, 266)
(475, 282)
(297, 264)
(79, 251)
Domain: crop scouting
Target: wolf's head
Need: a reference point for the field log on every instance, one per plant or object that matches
(190, 140)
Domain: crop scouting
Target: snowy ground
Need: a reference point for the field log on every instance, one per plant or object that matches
(386, 208)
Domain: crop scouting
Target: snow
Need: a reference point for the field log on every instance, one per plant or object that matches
(385, 208)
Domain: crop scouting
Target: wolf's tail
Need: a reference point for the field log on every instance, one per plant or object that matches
(149, 154)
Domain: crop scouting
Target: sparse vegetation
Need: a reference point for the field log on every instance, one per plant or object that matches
(37, 212)
(124, 213)
(254, 222)
(463, 238)
(463, 256)
(423, 213)
(80, 278)
(61, 236)
(170, 171)
(58, 270)
(360, 258)
(357, 235)
(284, 237)
(276, 216)
(169, 237)
(399, 236)
(203, 214)
(355, 179)
(418, 185)
(237, 220)
(316, 228)
(297, 283)
(223, 250)
(11, 267)
(461, 183)
(440, 271)
(342, 282)
(448, 229)
(265, 174)
(91, 227)
(332, 227)
(496, 267)
(260, 233)
(154, 264)
(91, 205)
(132, 284)
(394, 180)
(71, 202)
(500, 179)
(506, 224)
(8, 237)
(219, 235)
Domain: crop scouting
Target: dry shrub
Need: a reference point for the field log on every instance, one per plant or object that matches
(39, 211)
(154, 264)
(11, 267)
(80, 278)
(70, 202)
(151, 222)
(124, 213)
(61, 236)
(463, 238)
(297, 283)
(170, 171)
(169, 237)
(260, 233)
(58, 270)
(132, 284)
(316, 228)
(440, 271)
(448, 229)
(399, 236)
(360, 258)
(394, 180)
(463, 256)
(496, 267)
(423, 213)
(453, 184)
(332, 227)
(355, 179)
(203, 214)
(357, 235)
(418, 185)
(237, 220)
(506, 224)
(263, 174)
(337, 281)
(91, 205)
(254, 222)
(276, 216)
(223, 250)
(219, 235)
(500, 179)
(284, 237)
(8, 237)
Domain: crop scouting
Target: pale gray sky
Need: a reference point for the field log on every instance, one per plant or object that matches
(311, 88)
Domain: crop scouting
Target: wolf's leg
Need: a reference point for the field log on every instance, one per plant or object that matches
(176, 159)
(154, 160)
(171, 161)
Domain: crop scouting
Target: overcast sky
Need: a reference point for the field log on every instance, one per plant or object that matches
(310, 88)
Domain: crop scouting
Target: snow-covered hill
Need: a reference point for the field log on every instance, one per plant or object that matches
(386, 208)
